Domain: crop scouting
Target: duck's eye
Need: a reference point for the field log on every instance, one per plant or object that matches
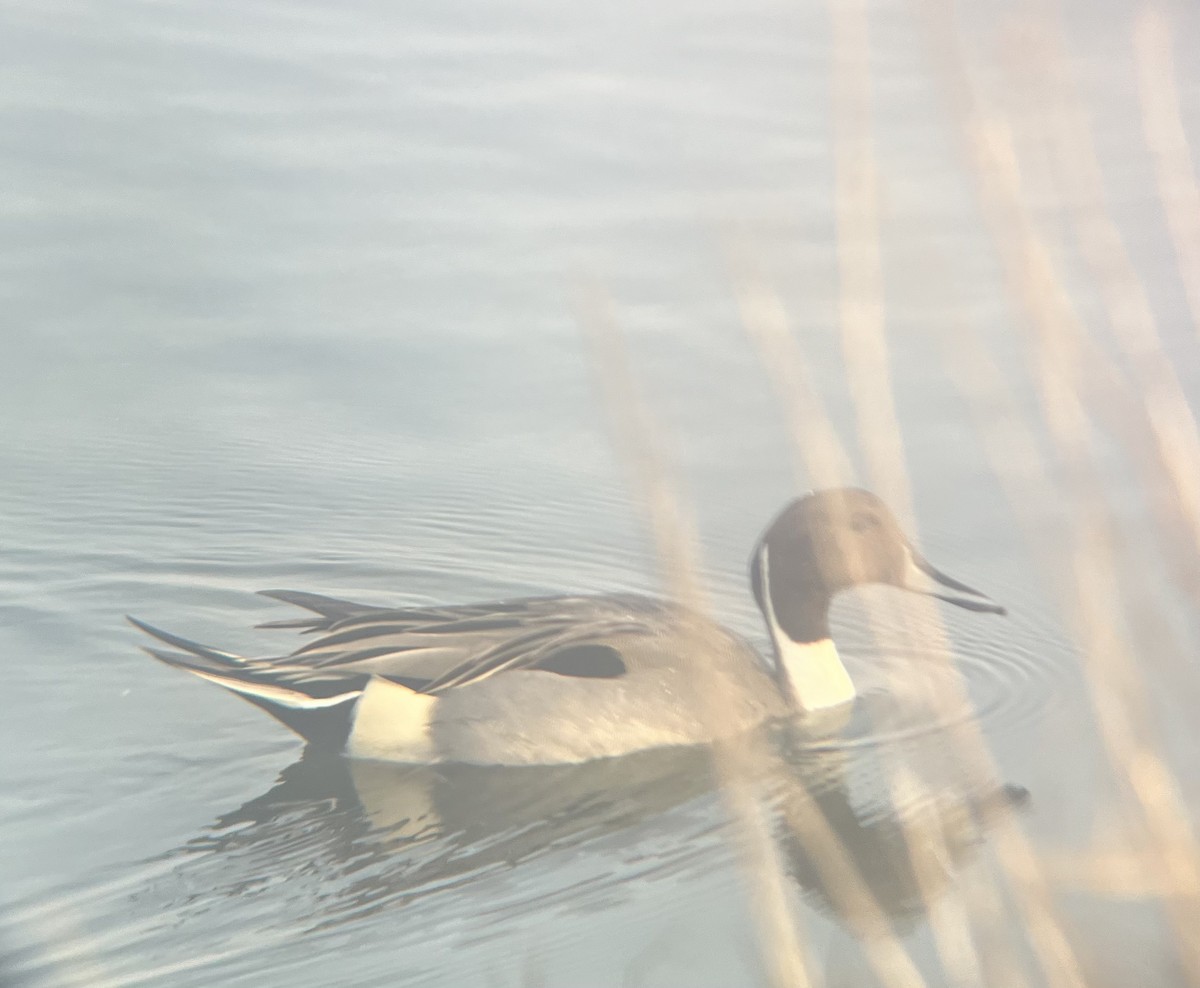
(864, 521)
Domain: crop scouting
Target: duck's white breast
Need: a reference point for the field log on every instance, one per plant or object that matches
(392, 724)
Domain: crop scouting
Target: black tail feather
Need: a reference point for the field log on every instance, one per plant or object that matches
(330, 608)
(204, 651)
(324, 722)
(327, 728)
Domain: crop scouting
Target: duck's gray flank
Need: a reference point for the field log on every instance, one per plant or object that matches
(570, 678)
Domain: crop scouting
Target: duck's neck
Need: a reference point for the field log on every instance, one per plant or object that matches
(806, 660)
(814, 673)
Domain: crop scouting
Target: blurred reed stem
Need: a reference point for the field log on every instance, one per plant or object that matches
(1167, 140)
(1140, 402)
(1055, 346)
(635, 437)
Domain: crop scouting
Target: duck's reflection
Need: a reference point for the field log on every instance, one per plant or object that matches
(374, 834)
(901, 855)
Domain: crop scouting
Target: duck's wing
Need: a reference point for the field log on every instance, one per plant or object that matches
(440, 648)
(434, 649)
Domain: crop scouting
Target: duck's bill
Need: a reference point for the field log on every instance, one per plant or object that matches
(921, 577)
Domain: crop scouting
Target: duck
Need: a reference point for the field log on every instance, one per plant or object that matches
(569, 679)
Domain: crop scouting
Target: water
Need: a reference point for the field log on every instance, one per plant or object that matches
(288, 303)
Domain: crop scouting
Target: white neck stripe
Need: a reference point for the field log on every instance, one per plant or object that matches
(813, 670)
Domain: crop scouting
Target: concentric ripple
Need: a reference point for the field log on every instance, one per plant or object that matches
(1003, 685)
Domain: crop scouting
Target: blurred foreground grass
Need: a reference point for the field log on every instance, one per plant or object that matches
(1101, 382)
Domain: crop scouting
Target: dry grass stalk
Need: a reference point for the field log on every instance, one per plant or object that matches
(1111, 874)
(1117, 691)
(766, 326)
(1050, 944)
(1168, 143)
(1173, 425)
(1034, 282)
(1175, 456)
(636, 441)
(640, 450)
(851, 895)
(818, 455)
(1060, 354)
(865, 343)
(866, 350)
(735, 759)
(1007, 440)
(860, 265)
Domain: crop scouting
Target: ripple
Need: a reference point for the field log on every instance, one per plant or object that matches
(907, 693)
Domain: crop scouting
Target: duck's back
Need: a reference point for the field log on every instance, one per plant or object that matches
(443, 647)
(650, 674)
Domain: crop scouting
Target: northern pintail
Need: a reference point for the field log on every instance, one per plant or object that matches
(545, 680)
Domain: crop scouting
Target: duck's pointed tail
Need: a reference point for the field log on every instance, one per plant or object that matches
(318, 708)
(327, 610)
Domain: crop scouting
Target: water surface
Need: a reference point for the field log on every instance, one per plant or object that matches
(287, 302)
